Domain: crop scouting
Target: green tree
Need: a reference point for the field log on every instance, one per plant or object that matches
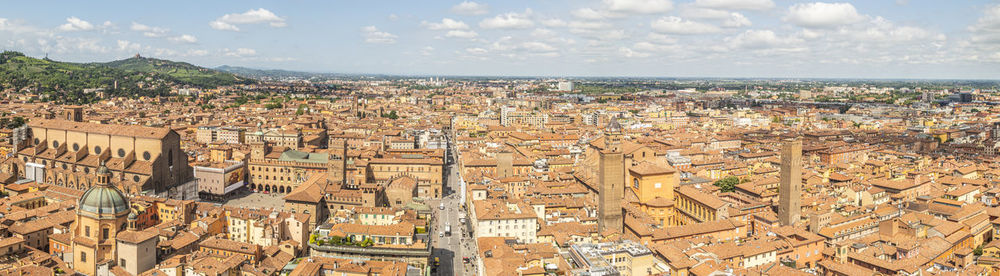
(302, 109)
(367, 242)
(727, 184)
(11, 123)
(273, 105)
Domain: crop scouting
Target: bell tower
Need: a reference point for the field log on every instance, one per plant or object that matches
(258, 150)
(611, 174)
(73, 113)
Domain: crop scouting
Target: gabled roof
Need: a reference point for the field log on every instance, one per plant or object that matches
(310, 191)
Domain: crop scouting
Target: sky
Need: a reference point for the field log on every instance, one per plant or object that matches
(917, 39)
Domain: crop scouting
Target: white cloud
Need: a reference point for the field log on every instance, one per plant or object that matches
(757, 5)
(461, 34)
(149, 31)
(541, 32)
(761, 39)
(676, 25)
(125, 45)
(470, 8)
(446, 24)
(987, 28)
(535, 46)
(823, 15)
(223, 26)
(596, 30)
(514, 48)
(197, 52)
(629, 53)
(639, 6)
(373, 35)
(588, 25)
(880, 29)
(661, 38)
(64, 45)
(427, 51)
(690, 11)
(476, 51)
(230, 21)
(76, 24)
(18, 27)
(736, 20)
(184, 38)
(646, 46)
(602, 36)
(587, 13)
(509, 20)
(553, 22)
(239, 52)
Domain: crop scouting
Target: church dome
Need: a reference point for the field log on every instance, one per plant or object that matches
(103, 200)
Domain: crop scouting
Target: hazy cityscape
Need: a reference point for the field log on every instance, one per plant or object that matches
(500, 138)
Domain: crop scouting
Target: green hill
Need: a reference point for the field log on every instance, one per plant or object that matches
(133, 77)
(182, 72)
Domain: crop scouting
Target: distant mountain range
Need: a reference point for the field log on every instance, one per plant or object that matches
(137, 73)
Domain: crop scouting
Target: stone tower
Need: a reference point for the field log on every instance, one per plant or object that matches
(611, 174)
(337, 164)
(790, 191)
(505, 164)
(258, 150)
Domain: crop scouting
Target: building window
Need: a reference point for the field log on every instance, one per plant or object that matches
(121, 152)
(146, 156)
(122, 262)
(105, 232)
(83, 256)
(97, 149)
(86, 231)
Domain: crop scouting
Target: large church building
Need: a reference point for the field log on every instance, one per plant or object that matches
(66, 152)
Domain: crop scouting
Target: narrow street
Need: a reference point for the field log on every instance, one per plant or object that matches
(451, 249)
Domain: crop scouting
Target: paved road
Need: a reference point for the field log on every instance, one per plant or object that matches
(452, 248)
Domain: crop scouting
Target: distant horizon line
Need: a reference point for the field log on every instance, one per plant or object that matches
(598, 77)
(541, 76)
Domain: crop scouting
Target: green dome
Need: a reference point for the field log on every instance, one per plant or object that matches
(103, 200)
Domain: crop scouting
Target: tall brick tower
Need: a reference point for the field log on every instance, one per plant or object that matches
(611, 174)
(337, 163)
(790, 190)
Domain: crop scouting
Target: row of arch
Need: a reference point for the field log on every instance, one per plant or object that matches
(271, 188)
(84, 183)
